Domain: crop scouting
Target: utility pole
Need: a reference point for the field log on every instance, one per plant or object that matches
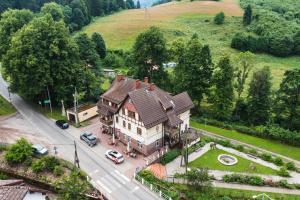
(8, 90)
(63, 110)
(76, 160)
(75, 107)
(49, 99)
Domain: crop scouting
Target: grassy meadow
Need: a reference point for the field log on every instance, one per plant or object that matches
(5, 107)
(182, 20)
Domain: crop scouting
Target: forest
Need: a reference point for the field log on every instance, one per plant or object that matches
(273, 26)
(77, 13)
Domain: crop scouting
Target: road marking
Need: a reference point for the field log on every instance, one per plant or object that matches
(135, 189)
(94, 172)
(111, 181)
(103, 186)
(122, 175)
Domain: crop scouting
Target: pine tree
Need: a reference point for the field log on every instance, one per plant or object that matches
(219, 18)
(99, 44)
(138, 5)
(247, 16)
(259, 97)
(223, 89)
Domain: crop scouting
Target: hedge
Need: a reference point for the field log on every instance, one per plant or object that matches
(270, 131)
(169, 156)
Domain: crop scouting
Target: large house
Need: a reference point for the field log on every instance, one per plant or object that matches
(142, 115)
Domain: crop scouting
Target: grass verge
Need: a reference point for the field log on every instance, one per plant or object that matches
(270, 145)
(210, 160)
(5, 107)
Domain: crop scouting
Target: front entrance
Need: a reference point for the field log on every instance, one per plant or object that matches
(72, 118)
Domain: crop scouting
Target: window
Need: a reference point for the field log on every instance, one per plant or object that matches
(139, 144)
(129, 126)
(139, 131)
(124, 124)
(117, 119)
(123, 111)
(157, 143)
(131, 114)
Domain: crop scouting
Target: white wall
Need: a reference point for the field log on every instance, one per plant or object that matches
(185, 117)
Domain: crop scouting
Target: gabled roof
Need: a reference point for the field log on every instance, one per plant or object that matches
(13, 192)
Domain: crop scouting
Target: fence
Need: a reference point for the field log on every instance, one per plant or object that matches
(152, 187)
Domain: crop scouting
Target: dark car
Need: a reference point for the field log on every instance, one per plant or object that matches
(89, 138)
(62, 124)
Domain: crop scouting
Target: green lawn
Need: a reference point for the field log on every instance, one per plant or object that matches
(270, 145)
(5, 107)
(210, 160)
(56, 113)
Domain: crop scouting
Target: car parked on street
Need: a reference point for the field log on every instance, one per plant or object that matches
(39, 150)
(62, 124)
(89, 138)
(115, 156)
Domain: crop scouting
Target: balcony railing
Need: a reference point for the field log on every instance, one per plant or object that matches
(106, 122)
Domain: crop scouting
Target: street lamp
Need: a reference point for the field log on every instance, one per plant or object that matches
(263, 197)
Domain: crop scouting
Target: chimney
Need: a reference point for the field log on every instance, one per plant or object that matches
(146, 80)
(120, 77)
(137, 84)
(151, 87)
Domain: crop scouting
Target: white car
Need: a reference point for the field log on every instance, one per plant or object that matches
(115, 156)
(39, 149)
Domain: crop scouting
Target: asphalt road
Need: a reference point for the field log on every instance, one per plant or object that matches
(105, 175)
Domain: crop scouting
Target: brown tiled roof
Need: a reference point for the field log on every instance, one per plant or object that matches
(83, 107)
(182, 102)
(10, 182)
(13, 192)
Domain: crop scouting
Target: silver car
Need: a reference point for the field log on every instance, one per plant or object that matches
(115, 156)
(39, 149)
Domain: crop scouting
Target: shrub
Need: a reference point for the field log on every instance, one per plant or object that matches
(290, 166)
(283, 172)
(58, 170)
(278, 161)
(253, 152)
(19, 152)
(50, 162)
(219, 18)
(3, 176)
(169, 156)
(38, 166)
(285, 184)
(266, 157)
(240, 148)
(243, 179)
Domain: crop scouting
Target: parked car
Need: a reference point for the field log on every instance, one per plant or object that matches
(115, 156)
(89, 138)
(62, 124)
(39, 149)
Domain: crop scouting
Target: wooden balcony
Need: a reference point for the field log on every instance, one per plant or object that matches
(106, 122)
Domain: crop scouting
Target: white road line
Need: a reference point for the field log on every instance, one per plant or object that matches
(118, 177)
(111, 181)
(122, 175)
(135, 189)
(94, 172)
(103, 186)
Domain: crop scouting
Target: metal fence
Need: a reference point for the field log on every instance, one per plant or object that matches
(152, 187)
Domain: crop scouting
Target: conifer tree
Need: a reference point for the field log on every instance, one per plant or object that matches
(247, 16)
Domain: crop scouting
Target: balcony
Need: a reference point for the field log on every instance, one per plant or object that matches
(106, 122)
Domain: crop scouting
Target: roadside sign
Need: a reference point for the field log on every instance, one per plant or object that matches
(46, 101)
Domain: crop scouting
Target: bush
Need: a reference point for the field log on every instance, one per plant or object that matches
(58, 171)
(285, 184)
(38, 166)
(278, 161)
(240, 148)
(19, 152)
(253, 152)
(266, 157)
(169, 156)
(219, 18)
(291, 166)
(283, 172)
(3, 176)
(50, 162)
(243, 179)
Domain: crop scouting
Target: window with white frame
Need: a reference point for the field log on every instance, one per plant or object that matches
(139, 144)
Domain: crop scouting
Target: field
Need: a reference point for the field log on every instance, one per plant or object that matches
(5, 107)
(270, 145)
(182, 20)
(210, 160)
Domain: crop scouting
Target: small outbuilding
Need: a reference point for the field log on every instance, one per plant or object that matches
(84, 112)
(109, 73)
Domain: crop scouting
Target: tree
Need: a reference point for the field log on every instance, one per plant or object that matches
(219, 18)
(19, 152)
(259, 97)
(199, 179)
(288, 100)
(74, 187)
(194, 70)
(138, 5)
(223, 89)
(297, 43)
(247, 18)
(43, 54)
(149, 53)
(54, 10)
(11, 21)
(130, 4)
(99, 44)
(245, 62)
